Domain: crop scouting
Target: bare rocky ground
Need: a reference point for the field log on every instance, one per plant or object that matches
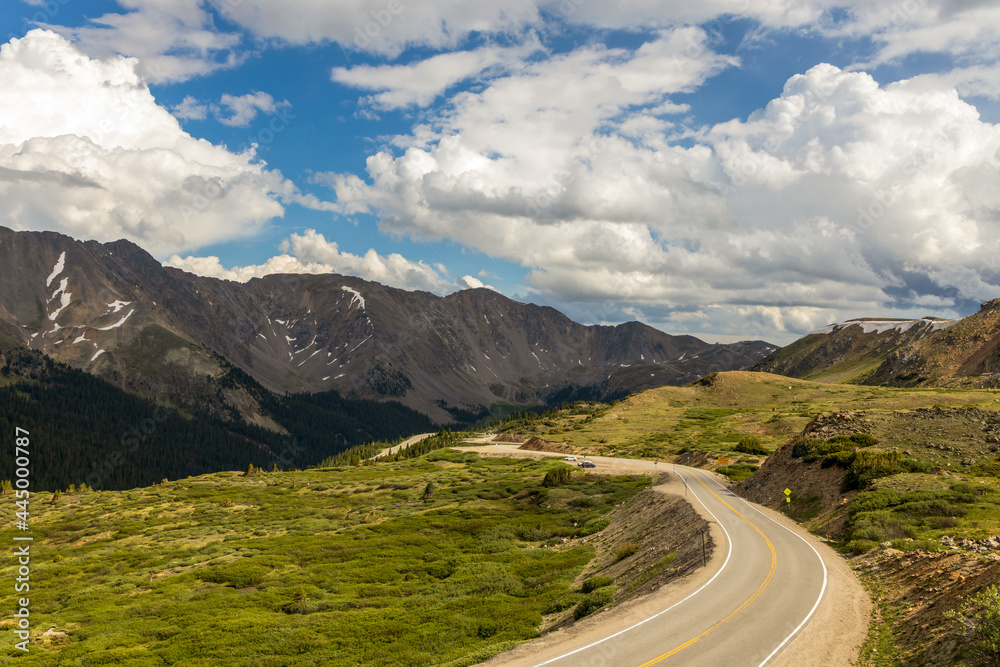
(917, 588)
(914, 588)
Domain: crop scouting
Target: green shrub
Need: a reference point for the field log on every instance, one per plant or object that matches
(913, 465)
(594, 601)
(482, 654)
(877, 526)
(751, 445)
(483, 578)
(811, 449)
(597, 581)
(738, 472)
(594, 526)
(977, 620)
(870, 464)
(936, 507)
(972, 491)
(838, 450)
(625, 550)
(942, 522)
(914, 545)
(238, 575)
(557, 476)
(860, 546)
(562, 603)
(875, 500)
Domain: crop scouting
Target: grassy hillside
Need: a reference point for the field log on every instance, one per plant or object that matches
(913, 501)
(447, 558)
(444, 559)
(713, 415)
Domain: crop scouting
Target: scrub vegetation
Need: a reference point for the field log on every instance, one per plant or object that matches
(447, 558)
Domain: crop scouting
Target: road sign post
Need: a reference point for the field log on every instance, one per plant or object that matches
(788, 495)
(723, 461)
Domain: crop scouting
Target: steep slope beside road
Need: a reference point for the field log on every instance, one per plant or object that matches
(773, 595)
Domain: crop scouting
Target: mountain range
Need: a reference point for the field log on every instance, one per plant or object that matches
(904, 353)
(113, 310)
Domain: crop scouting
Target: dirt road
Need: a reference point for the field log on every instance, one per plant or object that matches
(403, 445)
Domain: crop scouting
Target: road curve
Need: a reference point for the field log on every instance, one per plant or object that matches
(763, 587)
(403, 445)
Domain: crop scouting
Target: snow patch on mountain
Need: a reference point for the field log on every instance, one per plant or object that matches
(882, 326)
(118, 323)
(357, 298)
(57, 269)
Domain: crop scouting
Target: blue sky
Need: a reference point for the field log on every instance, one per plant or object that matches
(732, 169)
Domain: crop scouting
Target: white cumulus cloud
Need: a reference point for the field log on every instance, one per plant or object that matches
(174, 40)
(311, 252)
(240, 110)
(86, 150)
(380, 26)
(422, 82)
(841, 197)
(190, 109)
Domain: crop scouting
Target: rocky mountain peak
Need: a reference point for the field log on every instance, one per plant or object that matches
(113, 310)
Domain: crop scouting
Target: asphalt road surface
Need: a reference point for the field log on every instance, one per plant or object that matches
(761, 588)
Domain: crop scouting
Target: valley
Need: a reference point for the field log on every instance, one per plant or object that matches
(112, 310)
(305, 461)
(903, 481)
(353, 544)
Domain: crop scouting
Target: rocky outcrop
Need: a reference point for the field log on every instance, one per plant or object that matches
(983, 546)
(902, 353)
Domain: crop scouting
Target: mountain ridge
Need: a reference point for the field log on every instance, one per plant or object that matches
(112, 309)
(905, 353)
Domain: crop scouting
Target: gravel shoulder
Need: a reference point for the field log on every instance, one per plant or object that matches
(839, 627)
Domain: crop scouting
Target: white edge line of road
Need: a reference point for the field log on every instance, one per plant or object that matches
(729, 553)
(822, 590)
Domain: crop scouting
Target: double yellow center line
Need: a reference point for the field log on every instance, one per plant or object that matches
(747, 603)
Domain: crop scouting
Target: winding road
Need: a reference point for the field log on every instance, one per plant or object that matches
(403, 445)
(766, 582)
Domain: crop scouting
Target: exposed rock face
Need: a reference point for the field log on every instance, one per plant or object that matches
(924, 352)
(112, 309)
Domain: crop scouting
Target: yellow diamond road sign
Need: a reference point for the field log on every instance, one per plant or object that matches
(788, 492)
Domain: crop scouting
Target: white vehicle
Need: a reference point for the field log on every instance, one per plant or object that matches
(570, 458)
